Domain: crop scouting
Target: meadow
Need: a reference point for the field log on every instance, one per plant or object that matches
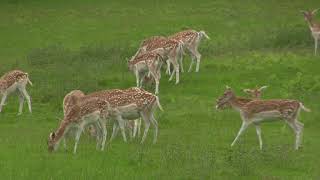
(79, 44)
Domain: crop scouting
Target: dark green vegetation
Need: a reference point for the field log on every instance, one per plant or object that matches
(81, 45)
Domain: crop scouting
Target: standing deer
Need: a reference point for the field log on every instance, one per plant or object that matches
(174, 52)
(131, 104)
(83, 113)
(149, 42)
(258, 111)
(191, 40)
(147, 63)
(314, 27)
(15, 81)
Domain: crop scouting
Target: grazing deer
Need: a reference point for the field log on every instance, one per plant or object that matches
(191, 40)
(314, 27)
(257, 111)
(147, 63)
(174, 52)
(83, 113)
(131, 104)
(69, 101)
(15, 81)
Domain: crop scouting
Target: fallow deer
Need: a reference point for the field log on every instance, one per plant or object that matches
(148, 43)
(314, 27)
(147, 63)
(132, 104)
(15, 81)
(83, 113)
(174, 52)
(258, 111)
(191, 40)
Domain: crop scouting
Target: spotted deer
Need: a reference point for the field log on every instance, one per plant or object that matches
(314, 27)
(191, 40)
(149, 42)
(15, 81)
(69, 101)
(83, 113)
(147, 63)
(258, 111)
(174, 52)
(131, 104)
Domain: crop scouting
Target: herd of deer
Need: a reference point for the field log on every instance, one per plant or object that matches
(127, 106)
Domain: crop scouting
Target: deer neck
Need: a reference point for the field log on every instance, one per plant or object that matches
(237, 103)
(60, 131)
(311, 24)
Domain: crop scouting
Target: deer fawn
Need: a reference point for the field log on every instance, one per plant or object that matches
(191, 40)
(15, 81)
(174, 52)
(83, 113)
(257, 111)
(148, 63)
(314, 27)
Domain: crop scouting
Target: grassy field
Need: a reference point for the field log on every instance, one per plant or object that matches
(83, 45)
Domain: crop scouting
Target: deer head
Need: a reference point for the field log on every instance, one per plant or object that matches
(308, 15)
(256, 92)
(225, 98)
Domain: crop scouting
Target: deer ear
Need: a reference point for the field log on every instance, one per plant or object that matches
(262, 88)
(247, 90)
(315, 11)
(303, 12)
(52, 135)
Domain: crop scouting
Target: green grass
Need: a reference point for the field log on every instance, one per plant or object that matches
(83, 45)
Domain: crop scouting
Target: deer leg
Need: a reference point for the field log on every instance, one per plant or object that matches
(198, 56)
(192, 62)
(168, 71)
(121, 125)
(21, 101)
(64, 143)
(181, 63)
(176, 70)
(243, 127)
(98, 134)
(114, 131)
(194, 51)
(300, 126)
(296, 130)
(258, 130)
(139, 127)
(3, 100)
(155, 124)
(104, 133)
(156, 79)
(77, 138)
(137, 77)
(146, 128)
(315, 45)
(26, 95)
